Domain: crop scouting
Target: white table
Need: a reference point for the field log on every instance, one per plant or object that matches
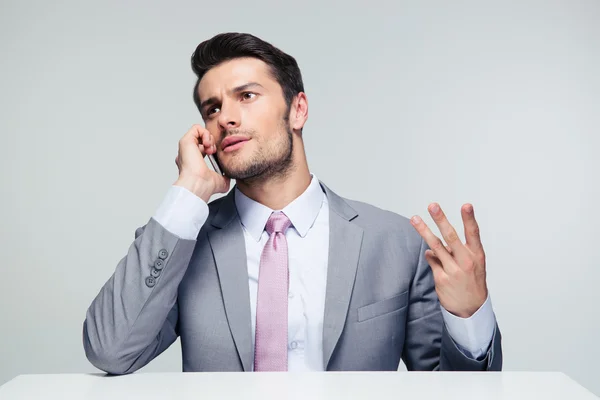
(308, 386)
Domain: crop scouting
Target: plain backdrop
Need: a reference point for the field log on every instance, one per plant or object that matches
(493, 103)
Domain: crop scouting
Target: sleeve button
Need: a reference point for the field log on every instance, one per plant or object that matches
(155, 273)
(150, 281)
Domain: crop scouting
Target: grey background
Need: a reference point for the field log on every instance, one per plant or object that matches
(494, 103)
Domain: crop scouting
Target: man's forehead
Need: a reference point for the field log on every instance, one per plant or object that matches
(233, 73)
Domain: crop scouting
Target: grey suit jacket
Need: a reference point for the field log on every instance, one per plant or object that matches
(380, 305)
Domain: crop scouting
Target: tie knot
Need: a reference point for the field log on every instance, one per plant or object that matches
(278, 222)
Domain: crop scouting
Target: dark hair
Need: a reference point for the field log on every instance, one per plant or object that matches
(227, 46)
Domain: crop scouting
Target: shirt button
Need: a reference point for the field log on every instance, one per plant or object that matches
(291, 295)
(294, 345)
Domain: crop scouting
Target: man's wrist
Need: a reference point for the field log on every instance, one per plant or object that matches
(475, 333)
(182, 213)
(195, 185)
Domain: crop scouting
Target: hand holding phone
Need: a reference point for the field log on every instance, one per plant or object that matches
(194, 174)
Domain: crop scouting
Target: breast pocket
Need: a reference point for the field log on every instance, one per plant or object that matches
(383, 307)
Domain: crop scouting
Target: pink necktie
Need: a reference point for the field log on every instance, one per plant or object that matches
(272, 302)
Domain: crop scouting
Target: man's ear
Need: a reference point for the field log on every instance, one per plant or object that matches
(298, 111)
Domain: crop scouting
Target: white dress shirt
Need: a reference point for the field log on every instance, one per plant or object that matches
(183, 214)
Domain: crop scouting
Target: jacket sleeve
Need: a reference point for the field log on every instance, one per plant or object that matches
(134, 316)
(428, 345)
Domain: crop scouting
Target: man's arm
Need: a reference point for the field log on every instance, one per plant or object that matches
(134, 317)
(428, 344)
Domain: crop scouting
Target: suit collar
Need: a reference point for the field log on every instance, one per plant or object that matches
(302, 212)
(338, 205)
(227, 210)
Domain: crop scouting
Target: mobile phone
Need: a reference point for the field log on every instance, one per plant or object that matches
(215, 164)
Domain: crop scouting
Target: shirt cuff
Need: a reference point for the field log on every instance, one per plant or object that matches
(472, 335)
(182, 213)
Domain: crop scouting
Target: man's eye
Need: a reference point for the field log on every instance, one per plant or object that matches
(211, 111)
(248, 95)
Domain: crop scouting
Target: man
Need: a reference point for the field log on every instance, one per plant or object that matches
(283, 274)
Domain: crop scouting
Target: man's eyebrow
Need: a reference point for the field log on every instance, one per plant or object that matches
(237, 89)
(246, 86)
(210, 100)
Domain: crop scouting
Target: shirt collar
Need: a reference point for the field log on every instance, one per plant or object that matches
(302, 212)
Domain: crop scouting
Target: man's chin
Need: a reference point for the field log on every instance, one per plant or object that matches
(256, 169)
(240, 174)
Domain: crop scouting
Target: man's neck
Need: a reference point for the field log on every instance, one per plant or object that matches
(278, 192)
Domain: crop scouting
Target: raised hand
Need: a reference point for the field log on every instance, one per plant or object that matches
(458, 269)
(194, 174)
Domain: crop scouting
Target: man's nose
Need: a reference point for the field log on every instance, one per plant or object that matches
(229, 117)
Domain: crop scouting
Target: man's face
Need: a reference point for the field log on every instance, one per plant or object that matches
(244, 109)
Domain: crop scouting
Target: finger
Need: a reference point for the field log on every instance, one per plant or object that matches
(191, 138)
(199, 135)
(472, 235)
(448, 232)
(207, 150)
(435, 264)
(207, 140)
(195, 132)
(433, 242)
(431, 257)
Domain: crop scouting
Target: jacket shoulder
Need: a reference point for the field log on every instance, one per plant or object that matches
(376, 220)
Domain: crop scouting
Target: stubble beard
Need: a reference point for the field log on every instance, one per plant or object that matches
(272, 163)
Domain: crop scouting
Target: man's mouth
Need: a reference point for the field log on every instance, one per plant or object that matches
(231, 143)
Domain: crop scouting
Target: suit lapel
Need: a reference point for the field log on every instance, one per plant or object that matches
(229, 250)
(345, 239)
